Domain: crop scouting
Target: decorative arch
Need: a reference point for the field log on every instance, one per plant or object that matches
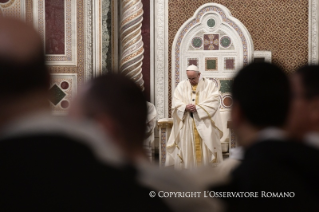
(219, 44)
(214, 38)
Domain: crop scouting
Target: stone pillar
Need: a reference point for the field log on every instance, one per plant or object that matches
(131, 44)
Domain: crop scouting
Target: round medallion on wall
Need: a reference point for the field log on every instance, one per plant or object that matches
(225, 41)
(227, 101)
(65, 104)
(211, 22)
(197, 42)
(64, 85)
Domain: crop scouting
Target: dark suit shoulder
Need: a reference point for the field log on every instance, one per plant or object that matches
(55, 172)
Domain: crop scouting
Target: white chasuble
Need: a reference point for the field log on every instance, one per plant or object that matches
(183, 143)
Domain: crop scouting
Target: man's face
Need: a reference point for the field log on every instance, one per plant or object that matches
(299, 119)
(193, 77)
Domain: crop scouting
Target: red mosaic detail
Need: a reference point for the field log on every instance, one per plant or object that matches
(65, 85)
(65, 104)
(229, 64)
(192, 61)
(228, 101)
(211, 42)
(54, 27)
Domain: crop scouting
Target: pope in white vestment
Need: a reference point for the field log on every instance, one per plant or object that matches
(197, 126)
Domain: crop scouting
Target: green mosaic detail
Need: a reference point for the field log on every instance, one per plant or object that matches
(56, 94)
(211, 22)
(225, 86)
(197, 42)
(225, 42)
(211, 64)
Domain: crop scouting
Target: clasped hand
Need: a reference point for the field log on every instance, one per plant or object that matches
(190, 108)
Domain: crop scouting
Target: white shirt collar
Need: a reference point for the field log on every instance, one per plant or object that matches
(312, 139)
(237, 153)
(272, 133)
(85, 132)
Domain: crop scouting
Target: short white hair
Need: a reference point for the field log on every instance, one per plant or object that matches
(192, 68)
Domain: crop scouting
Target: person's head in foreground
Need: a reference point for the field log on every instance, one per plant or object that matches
(261, 95)
(119, 106)
(304, 116)
(193, 74)
(24, 77)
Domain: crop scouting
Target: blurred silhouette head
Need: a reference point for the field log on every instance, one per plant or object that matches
(119, 106)
(261, 94)
(24, 77)
(22, 61)
(304, 116)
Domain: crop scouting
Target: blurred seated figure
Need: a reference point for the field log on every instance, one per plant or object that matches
(49, 163)
(118, 106)
(274, 173)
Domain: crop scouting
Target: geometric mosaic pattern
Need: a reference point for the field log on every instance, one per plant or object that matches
(62, 89)
(211, 64)
(192, 61)
(227, 101)
(11, 8)
(57, 94)
(211, 41)
(79, 68)
(264, 21)
(225, 41)
(229, 63)
(211, 22)
(163, 146)
(225, 86)
(197, 42)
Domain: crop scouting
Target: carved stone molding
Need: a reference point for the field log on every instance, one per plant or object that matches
(263, 54)
(161, 58)
(93, 37)
(88, 40)
(313, 32)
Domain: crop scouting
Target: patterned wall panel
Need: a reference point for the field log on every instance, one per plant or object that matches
(68, 66)
(79, 67)
(56, 23)
(277, 26)
(62, 89)
(77, 18)
(54, 27)
(14, 8)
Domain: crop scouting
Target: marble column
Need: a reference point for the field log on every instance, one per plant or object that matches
(131, 44)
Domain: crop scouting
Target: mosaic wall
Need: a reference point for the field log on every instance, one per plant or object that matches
(54, 27)
(11, 8)
(277, 26)
(79, 68)
(62, 90)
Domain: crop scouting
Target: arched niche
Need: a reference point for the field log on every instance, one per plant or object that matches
(219, 44)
